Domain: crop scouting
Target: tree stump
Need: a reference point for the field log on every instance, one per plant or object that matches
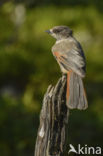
(51, 137)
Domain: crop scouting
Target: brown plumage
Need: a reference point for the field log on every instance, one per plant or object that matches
(70, 57)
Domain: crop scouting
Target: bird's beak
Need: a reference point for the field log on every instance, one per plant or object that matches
(48, 31)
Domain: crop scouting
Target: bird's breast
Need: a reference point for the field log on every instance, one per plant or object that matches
(63, 46)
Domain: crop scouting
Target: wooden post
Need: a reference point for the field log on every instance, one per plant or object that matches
(51, 137)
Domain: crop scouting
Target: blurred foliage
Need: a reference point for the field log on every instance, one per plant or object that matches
(28, 67)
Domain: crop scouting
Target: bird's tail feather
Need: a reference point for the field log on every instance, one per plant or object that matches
(76, 96)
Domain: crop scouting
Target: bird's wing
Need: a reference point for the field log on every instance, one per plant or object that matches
(72, 59)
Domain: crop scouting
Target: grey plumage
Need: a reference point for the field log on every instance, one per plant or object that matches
(77, 98)
(70, 57)
(72, 54)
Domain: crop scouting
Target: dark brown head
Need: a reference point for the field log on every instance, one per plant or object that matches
(60, 32)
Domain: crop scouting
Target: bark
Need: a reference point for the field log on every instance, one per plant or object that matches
(51, 137)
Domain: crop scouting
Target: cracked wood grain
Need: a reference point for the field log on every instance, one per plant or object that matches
(51, 137)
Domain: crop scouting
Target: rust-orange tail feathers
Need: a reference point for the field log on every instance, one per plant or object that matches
(75, 95)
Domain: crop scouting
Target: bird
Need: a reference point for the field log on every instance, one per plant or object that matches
(70, 56)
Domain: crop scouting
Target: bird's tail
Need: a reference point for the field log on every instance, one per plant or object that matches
(76, 96)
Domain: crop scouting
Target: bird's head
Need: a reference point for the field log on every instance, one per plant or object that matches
(60, 32)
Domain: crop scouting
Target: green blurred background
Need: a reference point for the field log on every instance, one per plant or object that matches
(27, 67)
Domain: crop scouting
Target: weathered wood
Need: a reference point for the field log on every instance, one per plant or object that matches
(51, 137)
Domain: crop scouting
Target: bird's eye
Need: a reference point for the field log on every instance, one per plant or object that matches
(56, 30)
